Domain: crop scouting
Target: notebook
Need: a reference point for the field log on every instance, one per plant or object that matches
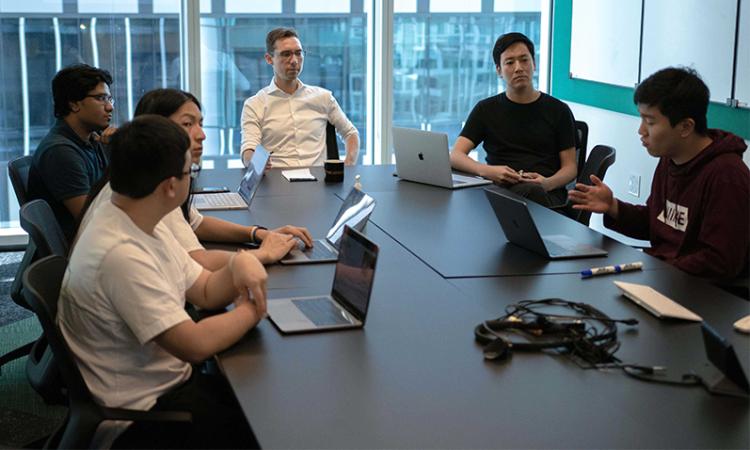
(520, 229)
(423, 157)
(245, 192)
(654, 302)
(347, 305)
(354, 212)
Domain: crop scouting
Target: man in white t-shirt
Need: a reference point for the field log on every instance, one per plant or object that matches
(288, 118)
(122, 302)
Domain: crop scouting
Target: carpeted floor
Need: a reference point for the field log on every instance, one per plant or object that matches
(24, 417)
(9, 311)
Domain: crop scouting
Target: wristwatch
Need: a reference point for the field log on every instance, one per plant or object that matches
(253, 238)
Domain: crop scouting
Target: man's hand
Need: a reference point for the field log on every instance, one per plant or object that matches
(534, 178)
(105, 135)
(275, 246)
(597, 198)
(249, 278)
(500, 174)
(299, 232)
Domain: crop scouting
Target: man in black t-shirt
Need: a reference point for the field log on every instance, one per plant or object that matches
(529, 136)
(70, 158)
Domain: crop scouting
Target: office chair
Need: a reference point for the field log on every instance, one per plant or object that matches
(38, 220)
(332, 146)
(42, 282)
(18, 172)
(599, 160)
(582, 140)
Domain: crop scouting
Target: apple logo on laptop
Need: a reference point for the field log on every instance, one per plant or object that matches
(420, 156)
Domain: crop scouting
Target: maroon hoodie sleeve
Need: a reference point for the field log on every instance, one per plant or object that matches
(721, 249)
(632, 220)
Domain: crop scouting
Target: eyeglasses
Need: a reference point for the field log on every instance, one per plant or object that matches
(286, 55)
(195, 169)
(101, 98)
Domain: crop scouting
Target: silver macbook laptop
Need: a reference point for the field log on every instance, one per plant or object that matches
(655, 302)
(347, 305)
(423, 157)
(520, 229)
(245, 192)
(354, 212)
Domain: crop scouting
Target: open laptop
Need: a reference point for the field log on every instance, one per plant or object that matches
(423, 157)
(520, 229)
(354, 212)
(655, 302)
(245, 192)
(346, 306)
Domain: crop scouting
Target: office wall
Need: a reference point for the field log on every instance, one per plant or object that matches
(617, 98)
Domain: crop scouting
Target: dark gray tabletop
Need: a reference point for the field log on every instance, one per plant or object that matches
(458, 235)
(415, 378)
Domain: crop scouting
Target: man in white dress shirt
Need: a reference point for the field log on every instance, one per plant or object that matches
(288, 118)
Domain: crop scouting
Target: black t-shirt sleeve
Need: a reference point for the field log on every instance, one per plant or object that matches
(64, 172)
(474, 129)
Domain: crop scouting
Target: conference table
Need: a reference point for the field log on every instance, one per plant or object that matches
(414, 377)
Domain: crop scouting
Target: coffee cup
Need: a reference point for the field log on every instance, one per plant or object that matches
(334, 169)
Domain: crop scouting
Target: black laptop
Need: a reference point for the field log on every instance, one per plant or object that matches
(520, 229)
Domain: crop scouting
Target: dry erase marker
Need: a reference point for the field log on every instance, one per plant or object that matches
(588, 273)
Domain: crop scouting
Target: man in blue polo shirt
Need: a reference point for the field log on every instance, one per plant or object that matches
(71, 158)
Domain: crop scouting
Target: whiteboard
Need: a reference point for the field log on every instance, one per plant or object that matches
(692, 33)
(742, 91)
(604, 42)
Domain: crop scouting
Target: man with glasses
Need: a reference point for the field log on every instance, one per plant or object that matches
(288, 118)
(71, 158)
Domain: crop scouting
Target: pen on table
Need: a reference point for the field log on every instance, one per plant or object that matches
(617, 268)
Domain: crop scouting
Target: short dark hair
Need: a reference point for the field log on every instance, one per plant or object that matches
(73, 84)
(145, 152)
(164, 102)
(508, 39)
(276, 34)
(679, 93)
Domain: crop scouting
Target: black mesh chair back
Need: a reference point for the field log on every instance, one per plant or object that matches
(332, 146)
(39, 221)
(582, 140)
(599, 160)
(18, 172)
(45, 234)
(42, 282)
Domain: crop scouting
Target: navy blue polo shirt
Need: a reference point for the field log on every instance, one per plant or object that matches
(65, 166)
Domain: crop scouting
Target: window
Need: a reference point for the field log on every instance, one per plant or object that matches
(442, 62)
(141, 50)
(234, 68)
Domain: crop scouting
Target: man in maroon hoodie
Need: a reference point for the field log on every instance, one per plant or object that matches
(698, 214)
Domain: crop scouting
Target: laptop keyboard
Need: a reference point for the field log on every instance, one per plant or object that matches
(222, 199)
(321, 311)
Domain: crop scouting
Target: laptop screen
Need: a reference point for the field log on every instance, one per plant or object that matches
(253, 174)
(355, 272)
(354, 212)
